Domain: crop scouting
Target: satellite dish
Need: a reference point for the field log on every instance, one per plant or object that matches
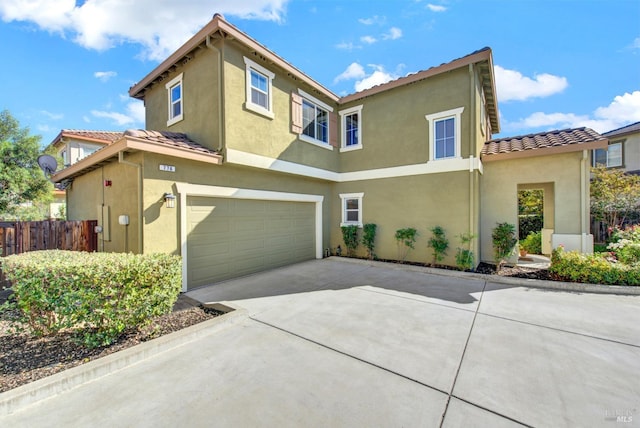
(48, 164)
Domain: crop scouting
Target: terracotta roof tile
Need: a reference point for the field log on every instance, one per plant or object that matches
(174, 139)
(106, 136)
(541, 140)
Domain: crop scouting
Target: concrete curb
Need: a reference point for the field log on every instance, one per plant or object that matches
(518, 282)
(18, 398)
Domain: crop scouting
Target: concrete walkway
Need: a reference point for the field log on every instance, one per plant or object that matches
(349, 343)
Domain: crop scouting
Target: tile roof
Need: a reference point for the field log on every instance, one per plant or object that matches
(634, 127)
(542, 140)
(173, 139)
(106, 136)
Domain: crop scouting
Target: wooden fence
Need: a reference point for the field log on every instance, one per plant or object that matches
(23, 236)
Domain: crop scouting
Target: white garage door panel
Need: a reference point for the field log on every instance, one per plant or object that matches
(228, 238)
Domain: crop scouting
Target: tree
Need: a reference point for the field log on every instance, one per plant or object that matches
(614, 195)
(22, 182)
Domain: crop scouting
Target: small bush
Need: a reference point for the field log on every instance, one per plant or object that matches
(439, 243)
(528, 224)
(406, 239)
(504, 242)
(99, 295)
(625, 244)
(350, 238)
(369, 238)
(532, 244)
(597, 268)
(465, 259)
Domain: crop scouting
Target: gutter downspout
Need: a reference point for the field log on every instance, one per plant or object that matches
(472, 134)
(139, 195)
(220, 109)
(584, 201)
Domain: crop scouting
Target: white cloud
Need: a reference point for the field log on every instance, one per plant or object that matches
(624, 109)
(135, 110)
(436, 8)
(380, 20)
(160, 27)
(353, 71)
(104, 76)
(368, 40)
(53, 116)
(378, 77)
(347, 46)
(636, 43)
(512, 85)
(119, 119)
(393, 34)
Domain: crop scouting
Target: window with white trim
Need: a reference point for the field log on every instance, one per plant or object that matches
(610, 157)
(259, 96)
(175, 99)
(445, 134)
(351, 120)
(316, 123)
(351, 209)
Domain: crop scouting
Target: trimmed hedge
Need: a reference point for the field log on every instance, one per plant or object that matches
(99, 295)
(598, 268)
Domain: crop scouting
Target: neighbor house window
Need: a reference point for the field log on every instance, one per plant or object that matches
(259, 97)
(609, 157)
(176, 100)
(351, 120)
(444, 134)
(351, 209)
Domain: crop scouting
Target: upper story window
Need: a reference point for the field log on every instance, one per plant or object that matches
(313, 120)
(609, 157)
(351, 209)
(445, 134)
(176, 100)
(259, 97)
(351, 120)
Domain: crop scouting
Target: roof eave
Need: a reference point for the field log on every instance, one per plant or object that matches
(547, 151)
(219, 24)
(107, 154)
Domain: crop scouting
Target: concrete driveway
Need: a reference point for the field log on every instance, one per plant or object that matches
(339, 342)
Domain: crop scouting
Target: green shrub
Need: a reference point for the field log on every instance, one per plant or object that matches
(99, 295)
(406, 239)
(504, 242)
(600, 248)
(592, 268)
(625, 244)
(369, 238)
(465, 259)
(528, 224)
(439, 243)
(350, 238)
(532, 244)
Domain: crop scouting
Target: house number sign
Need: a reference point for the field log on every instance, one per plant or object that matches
(168, 168)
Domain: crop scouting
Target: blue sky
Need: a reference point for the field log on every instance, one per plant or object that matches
(558, 64)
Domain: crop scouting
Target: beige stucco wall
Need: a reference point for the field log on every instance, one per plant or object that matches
(631, 151)
(252, 132)
(88, 194)
(499, 190)
(421, 202)
(200, 100)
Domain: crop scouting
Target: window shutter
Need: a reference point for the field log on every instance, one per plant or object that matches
(296, 113)
(333, 129)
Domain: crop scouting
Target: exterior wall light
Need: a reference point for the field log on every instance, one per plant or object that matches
(170, 199)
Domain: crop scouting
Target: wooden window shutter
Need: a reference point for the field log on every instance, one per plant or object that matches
(296, 113)
(333, 129)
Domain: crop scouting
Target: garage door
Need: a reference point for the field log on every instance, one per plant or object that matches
(229, 238)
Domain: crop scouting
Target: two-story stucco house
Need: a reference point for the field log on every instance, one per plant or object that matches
(623, 150)
(247, 163)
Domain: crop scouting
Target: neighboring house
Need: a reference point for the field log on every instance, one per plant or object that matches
(72, 145)
(247, 163)
(623, 150)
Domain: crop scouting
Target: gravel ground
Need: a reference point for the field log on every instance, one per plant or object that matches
(24, 359)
